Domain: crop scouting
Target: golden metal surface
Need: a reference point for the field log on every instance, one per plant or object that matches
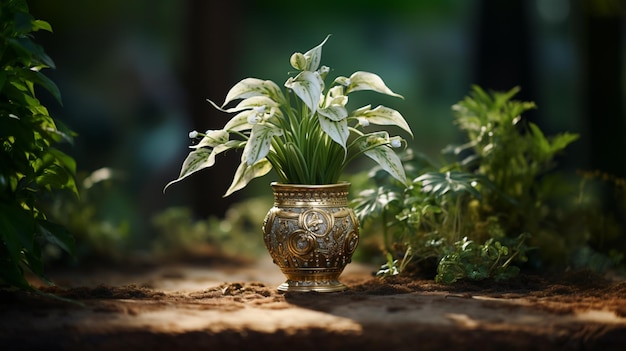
(296, 195)
(311, 234)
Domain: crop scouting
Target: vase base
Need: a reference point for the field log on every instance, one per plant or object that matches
(309, 286)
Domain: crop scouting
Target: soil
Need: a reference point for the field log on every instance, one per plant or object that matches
(237, 307)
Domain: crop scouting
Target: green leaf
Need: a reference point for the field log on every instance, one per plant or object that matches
(561, 141)
(57, 235)
(47, 84)
(308, 87)
(53, 177)
(452, 183)
(3, 79)
(43, 25)
(389, 161)
(16, 229)
(30, 52)
(539, 138)
(31, 168)
(258, 146)
(63, 132)
(63, 159)
(558, 143)
(382, 115)
(34, 263)
(368, 81)
(245, 173)
(23, 22)
(26, 99)
(16, 236)
(250, 87)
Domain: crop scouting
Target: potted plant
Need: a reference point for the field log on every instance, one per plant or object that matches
(306, 134)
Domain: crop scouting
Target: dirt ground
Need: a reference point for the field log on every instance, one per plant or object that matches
(234, 307)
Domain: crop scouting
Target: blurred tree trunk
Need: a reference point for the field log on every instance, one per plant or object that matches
(604, 88)
(603, 74)
(210, 51)
(503, 52)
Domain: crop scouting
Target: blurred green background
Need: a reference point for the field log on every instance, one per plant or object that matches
(135, 76)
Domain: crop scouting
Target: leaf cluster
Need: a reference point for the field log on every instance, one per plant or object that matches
(101, 231)
(31, 168)
(476, 214)
(512, 152)
(304, 132)
(468, 259)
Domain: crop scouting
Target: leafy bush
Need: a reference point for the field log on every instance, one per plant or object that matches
(511, 152)
(98, 220)
(31, 168)
(495, 203)
(178, 234)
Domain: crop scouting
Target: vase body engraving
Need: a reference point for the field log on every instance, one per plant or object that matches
(311, 234)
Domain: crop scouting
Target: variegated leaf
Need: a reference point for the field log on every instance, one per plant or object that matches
(248, 103)
(382, 115)
(250, 87)
(298, 61)
(213, 139)
(239, 122)
(337, 130)
(308, 87)
(389, 161)
(196, 160)
(343, 81)
(335, 96)
(245, 173)
(217, 150)
(368, 81)
(359, 111)
(314, 56)
(231, 144)
(334, 112)
(259, 143)
(254, 101)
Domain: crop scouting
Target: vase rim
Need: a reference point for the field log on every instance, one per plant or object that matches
(302, 195)
(317, 186)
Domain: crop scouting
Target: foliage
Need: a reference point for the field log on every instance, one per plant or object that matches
(179, 235)
(492, 259)
(31, 168)
(510, 151)
(103, 232)
(479, 214)
(305, 133)
(99, 234)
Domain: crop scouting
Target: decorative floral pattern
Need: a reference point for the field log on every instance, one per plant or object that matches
(311, 240)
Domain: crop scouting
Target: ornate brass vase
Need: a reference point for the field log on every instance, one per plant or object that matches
(311, 234)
